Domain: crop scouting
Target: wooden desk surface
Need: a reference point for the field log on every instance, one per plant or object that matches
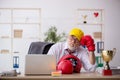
(75, 76)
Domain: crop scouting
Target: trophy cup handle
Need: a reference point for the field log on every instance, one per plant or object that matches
(114, 51)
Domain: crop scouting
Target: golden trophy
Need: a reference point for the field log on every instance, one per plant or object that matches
(107, 56)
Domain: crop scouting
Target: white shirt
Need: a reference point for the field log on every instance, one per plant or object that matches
(59, 50)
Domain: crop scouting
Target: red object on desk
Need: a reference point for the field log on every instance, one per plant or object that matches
(107, 72)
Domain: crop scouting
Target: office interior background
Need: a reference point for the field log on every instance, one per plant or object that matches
(62, 14)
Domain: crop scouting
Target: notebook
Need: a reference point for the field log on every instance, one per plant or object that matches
(38, 64)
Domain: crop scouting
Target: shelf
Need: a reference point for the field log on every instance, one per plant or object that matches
(5, 37)
(91, 22)
(18, 28)
(26, 23)
(28, 38)
(5, 23)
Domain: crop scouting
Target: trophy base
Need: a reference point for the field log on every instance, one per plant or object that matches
(107, 72)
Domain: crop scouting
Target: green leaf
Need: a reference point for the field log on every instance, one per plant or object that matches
(51, 35)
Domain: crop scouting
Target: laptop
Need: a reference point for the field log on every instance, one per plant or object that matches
(38, 64)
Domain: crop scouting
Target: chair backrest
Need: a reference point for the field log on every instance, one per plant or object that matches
(39, 47)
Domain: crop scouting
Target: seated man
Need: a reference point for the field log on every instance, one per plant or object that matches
(74, 46)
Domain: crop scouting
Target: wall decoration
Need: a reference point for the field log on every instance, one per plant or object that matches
(96, 14)
(84, 19)
(90, 16)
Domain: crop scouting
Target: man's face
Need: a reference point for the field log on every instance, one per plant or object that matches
(73, 42)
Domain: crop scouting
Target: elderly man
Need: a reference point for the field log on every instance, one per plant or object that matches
(80, 46)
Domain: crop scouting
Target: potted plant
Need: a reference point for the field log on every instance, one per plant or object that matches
(52, 36)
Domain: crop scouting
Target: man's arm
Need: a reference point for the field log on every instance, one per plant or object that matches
(87, 62)
(92, 57)
(88, 42)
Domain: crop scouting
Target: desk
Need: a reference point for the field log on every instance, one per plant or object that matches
(75, 76)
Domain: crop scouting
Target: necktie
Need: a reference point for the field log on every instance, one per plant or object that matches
(69, 51)
(74, 62)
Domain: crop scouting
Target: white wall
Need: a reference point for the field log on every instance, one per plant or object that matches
(112, 27)
(61, 13)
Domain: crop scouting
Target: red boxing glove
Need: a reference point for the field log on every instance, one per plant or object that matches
(65, 66)
(88, 42)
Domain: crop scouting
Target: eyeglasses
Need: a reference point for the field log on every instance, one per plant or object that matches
(73, 39)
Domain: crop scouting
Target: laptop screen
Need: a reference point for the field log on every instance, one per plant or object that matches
(39, 64)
